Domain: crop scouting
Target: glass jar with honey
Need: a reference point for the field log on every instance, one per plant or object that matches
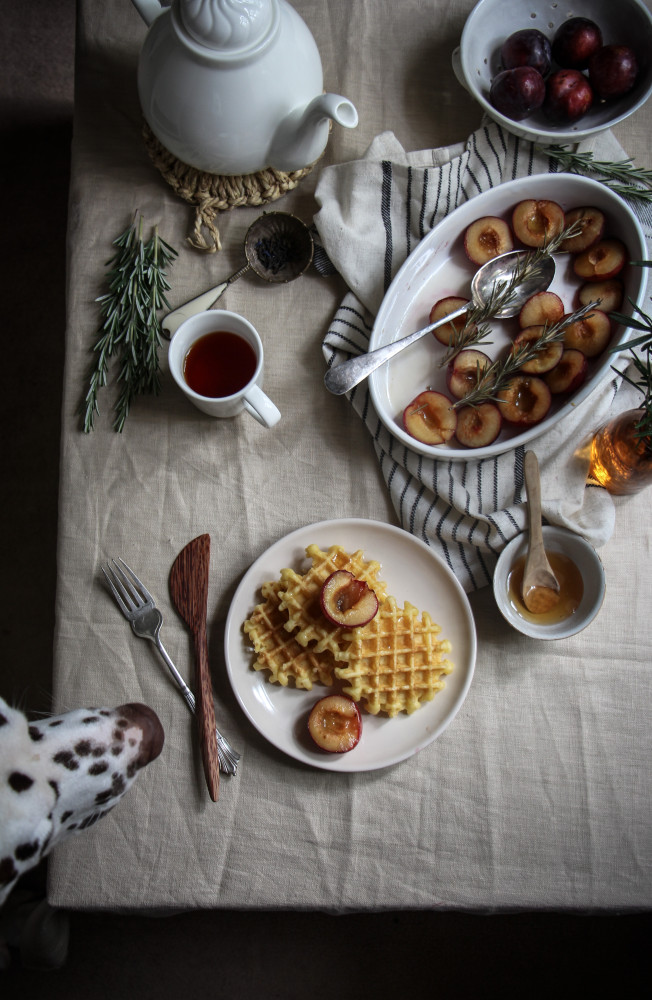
(621, 457)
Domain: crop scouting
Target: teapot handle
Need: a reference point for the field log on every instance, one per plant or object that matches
(149, 10)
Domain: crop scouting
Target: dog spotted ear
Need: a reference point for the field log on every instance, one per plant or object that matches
(60, 775)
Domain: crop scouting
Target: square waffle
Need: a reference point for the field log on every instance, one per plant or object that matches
(299, 595)
(396, 662)
(278, 651)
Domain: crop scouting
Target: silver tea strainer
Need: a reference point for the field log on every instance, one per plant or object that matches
(278, 248)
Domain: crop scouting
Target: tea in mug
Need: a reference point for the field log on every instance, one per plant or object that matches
(219, 364)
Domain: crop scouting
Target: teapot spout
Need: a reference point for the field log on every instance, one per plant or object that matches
(302, 135)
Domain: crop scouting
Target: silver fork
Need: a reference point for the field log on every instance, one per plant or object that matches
(137, 605)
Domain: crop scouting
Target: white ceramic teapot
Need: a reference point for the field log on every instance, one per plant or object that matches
(235, 86)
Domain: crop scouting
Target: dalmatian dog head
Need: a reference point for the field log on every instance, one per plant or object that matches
(61, 774)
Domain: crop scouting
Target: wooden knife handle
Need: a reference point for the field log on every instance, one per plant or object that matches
(206, 716)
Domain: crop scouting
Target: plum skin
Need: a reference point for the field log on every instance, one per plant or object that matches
(575, 42)
(613, 70)
(527, 47)
(568, 96)
(516, 93)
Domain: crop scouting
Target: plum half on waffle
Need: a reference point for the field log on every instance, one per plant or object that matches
(393, 664)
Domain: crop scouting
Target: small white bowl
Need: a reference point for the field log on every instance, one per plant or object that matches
(588, 563)
(477, 59)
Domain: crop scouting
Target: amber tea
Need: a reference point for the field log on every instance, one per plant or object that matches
(219, 364)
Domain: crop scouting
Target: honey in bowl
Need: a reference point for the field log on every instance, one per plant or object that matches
(219, 364)
(571, 589)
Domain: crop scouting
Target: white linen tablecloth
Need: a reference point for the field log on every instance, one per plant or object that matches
(538, 794)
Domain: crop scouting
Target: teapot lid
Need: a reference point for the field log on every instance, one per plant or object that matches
(228, 25)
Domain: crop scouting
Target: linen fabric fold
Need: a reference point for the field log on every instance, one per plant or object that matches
(373, 212)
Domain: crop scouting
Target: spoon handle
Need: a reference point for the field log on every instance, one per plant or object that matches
(533, 486)
(171, 323)
(343, 377)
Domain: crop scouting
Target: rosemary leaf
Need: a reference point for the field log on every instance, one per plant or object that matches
(640, 350)
(501, 372)
(128, 310)
(475, 329)
(619, 175)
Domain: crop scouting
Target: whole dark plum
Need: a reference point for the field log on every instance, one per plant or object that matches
(516, 93)
(528, 47)
(612, 71)
(575, 42)
(568, 96)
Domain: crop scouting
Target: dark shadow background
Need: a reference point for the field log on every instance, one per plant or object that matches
(281, 955)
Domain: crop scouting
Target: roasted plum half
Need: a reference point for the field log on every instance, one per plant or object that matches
(536, 221)
(487, 238)
(347, 601)
(605, 259)
(335, 723)
(430, 418)
(525, 401)
(540, 308)
(447, 332)
(478, 426)
(608, 294)
(464, 371)
(590, 335)
(545, 358)
(569, 374)
(590, 221)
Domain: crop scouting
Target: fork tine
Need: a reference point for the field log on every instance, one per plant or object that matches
(143, 589)
(129, 594)
(110, 578)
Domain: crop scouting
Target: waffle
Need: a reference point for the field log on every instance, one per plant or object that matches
(278, 652)
(395, 663)
(299, 595)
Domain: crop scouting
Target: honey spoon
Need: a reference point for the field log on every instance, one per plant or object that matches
(486, 282)
(540, 585)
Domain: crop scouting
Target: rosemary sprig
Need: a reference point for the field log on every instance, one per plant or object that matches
(500, 373)
(619, 175)
(475, 329)
(642, 361)
(137, 287)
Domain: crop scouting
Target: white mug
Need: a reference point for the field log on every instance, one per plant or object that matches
(249, 397)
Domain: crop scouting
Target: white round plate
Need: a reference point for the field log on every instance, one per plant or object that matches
(438, 267)
(412, 572)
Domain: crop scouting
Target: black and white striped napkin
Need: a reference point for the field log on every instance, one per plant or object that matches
(372, 214)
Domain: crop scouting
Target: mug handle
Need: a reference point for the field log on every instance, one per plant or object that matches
(261, 407)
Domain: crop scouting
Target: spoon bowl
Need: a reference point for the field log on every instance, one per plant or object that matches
(488, 282)
(540, 585)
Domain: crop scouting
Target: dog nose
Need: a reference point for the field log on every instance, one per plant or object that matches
(150, 725)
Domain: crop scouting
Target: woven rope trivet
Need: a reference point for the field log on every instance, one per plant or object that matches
(212, 193)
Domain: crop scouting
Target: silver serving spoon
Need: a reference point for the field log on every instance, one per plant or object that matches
(485, 281)
(540, 585)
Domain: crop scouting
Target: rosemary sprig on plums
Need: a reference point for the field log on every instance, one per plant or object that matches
(499, 373)
(476, 329)
(137, 287)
